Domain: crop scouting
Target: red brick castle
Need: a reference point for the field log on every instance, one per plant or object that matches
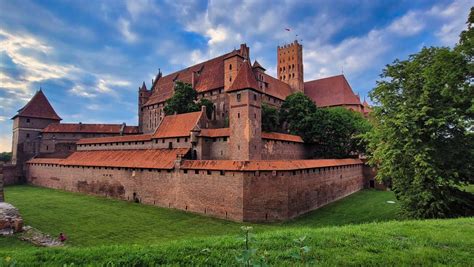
(191, 161)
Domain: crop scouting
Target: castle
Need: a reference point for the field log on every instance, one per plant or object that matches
(191, 161)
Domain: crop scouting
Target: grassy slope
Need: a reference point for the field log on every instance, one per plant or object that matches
(435, 242)
(92, 221)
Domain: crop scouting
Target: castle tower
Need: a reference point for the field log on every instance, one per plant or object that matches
(232, 64)
(27, 126)
(143, 95)
(290, 65)
(245, 117)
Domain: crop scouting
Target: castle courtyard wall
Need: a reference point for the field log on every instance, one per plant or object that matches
(235, 195)
(277, 150)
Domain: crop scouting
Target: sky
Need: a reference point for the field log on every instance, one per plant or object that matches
(90, 57)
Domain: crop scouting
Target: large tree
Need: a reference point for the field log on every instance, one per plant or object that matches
(295, 114)
(270, 119)
(423, 140)
(184, 101)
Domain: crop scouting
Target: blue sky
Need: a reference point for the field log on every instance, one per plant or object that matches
(90, 56)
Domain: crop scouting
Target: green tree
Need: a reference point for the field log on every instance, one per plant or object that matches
(423, 140)
(184, 101)
(270, 119)
(5, 156)
(295, 114)
(338, 133)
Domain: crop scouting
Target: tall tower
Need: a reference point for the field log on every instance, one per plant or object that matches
(27, 126)
(232, 64)
(245, 116)
(143, 96)
(290, 65)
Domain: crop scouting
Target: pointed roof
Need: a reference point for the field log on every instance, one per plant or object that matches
(257, 65)
(143, 87)
(245, 79)
(38, 107)
(331, 91)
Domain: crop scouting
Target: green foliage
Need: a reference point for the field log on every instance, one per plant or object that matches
(338, 132)
(295, 113)
(270, 119)
(184, 101)
(5, 156)
(423, 139)
(335, 132)
(303, 250)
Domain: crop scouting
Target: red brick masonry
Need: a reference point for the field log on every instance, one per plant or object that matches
(236, 190)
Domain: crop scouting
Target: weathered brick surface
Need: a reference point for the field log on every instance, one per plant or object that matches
(241, 196)
(275, 149)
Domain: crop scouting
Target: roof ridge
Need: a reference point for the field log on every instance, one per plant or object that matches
(38, 107)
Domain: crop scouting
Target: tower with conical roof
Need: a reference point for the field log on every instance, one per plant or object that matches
(27, 126)
(245, 116)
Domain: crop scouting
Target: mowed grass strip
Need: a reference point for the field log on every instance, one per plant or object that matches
(89, 220)
(407, 243)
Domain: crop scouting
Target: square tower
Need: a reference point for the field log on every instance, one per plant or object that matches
(290, 65)
(245, 116)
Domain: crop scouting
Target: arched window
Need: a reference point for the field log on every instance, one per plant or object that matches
(293, 66)
(283, 68)
(284, 77)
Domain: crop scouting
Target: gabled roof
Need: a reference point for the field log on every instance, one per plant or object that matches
(137, 158)
(210, 76)
(266, 165)
(38, 107)
(115, 139)
(89, 128)
(245, 79)
(331, 91)
(179, 125)
(277, 88)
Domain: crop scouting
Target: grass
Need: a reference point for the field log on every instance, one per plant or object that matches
(408, 243)
(91, 221)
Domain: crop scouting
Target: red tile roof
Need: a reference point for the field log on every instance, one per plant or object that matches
(257, 65)
(115, 139)
(245, 79)
(89, 128)
(210, 77)
(144, 158)
(277, 88)
(265, 165)
(219, 132)
(282, 137)
(178, 125)
(331, 91)
(38, 107)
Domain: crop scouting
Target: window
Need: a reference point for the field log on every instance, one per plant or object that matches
(222, 172)
(238, 97)
(28, 120)
(230, 66)
(185, 171)
(170, 145)
(185, 139)
(255, 96)
(196, 171)
(47, 147)
(230, 78)
(238, 115)
(225, 139)
(209, 172)
(177, 140)
(163, 141)
(27, 135)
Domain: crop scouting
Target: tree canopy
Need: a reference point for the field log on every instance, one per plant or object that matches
(184, 100)
(423, 139)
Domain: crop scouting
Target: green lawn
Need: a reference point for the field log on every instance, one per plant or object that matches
(408, 243)
(89, 220)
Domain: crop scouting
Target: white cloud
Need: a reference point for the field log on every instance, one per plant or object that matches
(136, 8)
(124, 28)
(407, 25)
(453, 17)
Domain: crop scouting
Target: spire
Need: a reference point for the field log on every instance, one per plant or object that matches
(245, 79)
(38, 107)
(143, 87)
(257, 65)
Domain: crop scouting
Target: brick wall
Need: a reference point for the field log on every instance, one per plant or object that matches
(2, 197)
(275, 150)
(240, 196)
(12, 174)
